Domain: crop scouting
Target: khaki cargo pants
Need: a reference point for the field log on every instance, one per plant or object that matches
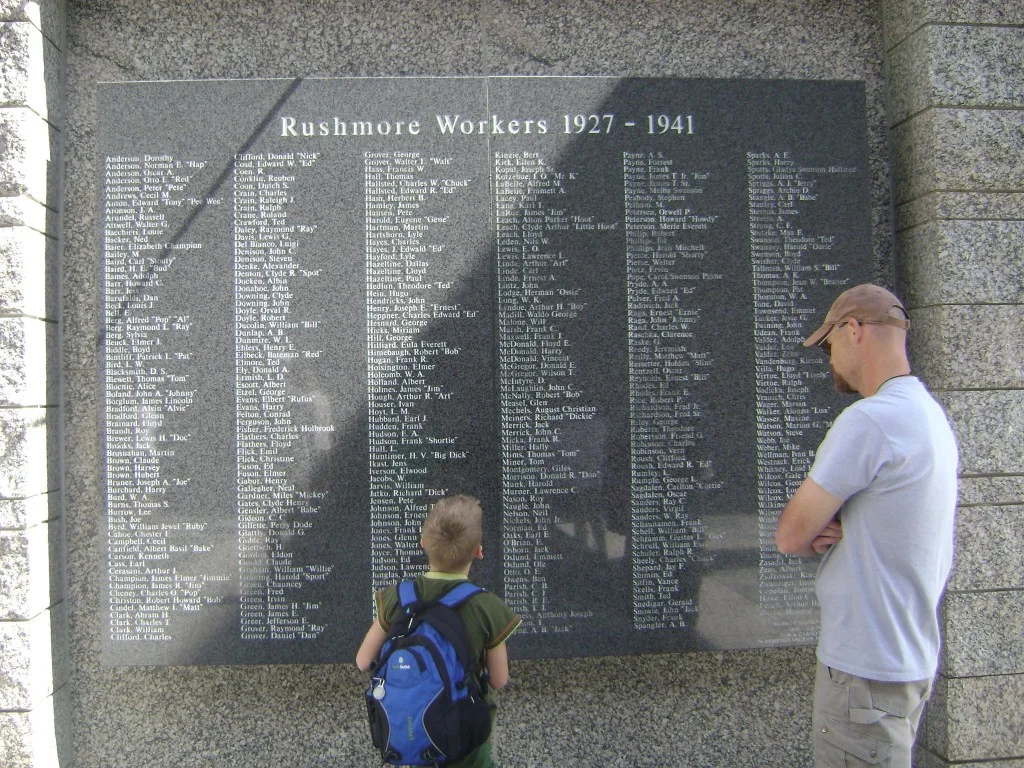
(859, 722)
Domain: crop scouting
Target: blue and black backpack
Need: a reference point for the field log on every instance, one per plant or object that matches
(425, 700)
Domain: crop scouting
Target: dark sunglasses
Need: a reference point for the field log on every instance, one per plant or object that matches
(825, 345)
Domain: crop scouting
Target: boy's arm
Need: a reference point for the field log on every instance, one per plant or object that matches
(368, 651)
(497, 666)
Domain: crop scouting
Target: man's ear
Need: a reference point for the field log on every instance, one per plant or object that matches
(858, 328)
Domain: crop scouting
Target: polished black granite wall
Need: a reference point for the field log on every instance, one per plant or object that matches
(329, 302)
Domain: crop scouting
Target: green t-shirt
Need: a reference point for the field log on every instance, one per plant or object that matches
(487, 619)
(488, 623)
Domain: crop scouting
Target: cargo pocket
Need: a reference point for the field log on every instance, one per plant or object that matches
(871, 702)
(897, 699)
(840, 746)
(835, 692)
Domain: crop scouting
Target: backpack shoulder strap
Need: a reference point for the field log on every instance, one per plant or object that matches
(408, 594)
(446, 621)
(460, 593)
(409, 605)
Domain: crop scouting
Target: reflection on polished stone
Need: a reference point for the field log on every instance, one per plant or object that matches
(331, 302)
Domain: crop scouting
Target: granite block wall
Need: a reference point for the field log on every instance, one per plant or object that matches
(710, 709)
(33, 675)
(956, 99)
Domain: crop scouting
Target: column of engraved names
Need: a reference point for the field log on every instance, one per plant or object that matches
(271, 510)
(782, 256)
(545, 416)
(406, 295)
(667, 273)
(147, 400)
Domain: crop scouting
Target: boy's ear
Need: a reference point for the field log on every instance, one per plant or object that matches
(479, 554)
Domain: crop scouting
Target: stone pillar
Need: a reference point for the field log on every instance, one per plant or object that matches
(955, 71)
(32, 674)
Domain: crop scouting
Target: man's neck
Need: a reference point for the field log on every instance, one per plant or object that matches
(881, 374)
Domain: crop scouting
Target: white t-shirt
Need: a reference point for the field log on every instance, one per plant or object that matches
(893, 458)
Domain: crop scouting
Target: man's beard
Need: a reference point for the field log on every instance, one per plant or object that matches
(842, 386)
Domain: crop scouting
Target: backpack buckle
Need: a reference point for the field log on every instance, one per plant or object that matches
(377, 689)
(432, 755)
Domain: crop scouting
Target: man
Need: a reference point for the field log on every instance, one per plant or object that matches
(878, 503)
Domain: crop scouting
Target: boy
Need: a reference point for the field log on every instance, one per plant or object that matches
(453, 538)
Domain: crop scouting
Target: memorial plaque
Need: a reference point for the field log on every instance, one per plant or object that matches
(329, 302)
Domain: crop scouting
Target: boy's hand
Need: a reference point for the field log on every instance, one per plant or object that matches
(497, 666)
(366, 658)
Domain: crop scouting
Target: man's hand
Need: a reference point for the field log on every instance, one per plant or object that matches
(806, 517)
(832, 533)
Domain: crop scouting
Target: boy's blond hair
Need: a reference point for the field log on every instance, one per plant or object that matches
(452, 532)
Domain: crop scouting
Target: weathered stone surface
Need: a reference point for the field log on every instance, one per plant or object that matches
(988, 554)
(925, 759)
(16, 739)
(963, 262)
(24, 452)
(909, 83)
(24, 572)
(27, 738)
(23, 78)
(20, 10)
(25, 675)
(956, 66)
(905, 17)
(137, 40)
(991, 490)
(987, 425)
(24, 260)
(975, 718)
(50, 16)
(983, 633)
(968, 346)
(945, 149)
(23, 211)
(25, 345)
(25, 141)
(960, 205)
(17, 514)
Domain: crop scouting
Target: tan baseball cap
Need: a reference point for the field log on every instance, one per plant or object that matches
(866, 303)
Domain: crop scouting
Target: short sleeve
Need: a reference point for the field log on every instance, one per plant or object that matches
(488, 621)
(387, 606)
(851, 455)
(495, 619)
